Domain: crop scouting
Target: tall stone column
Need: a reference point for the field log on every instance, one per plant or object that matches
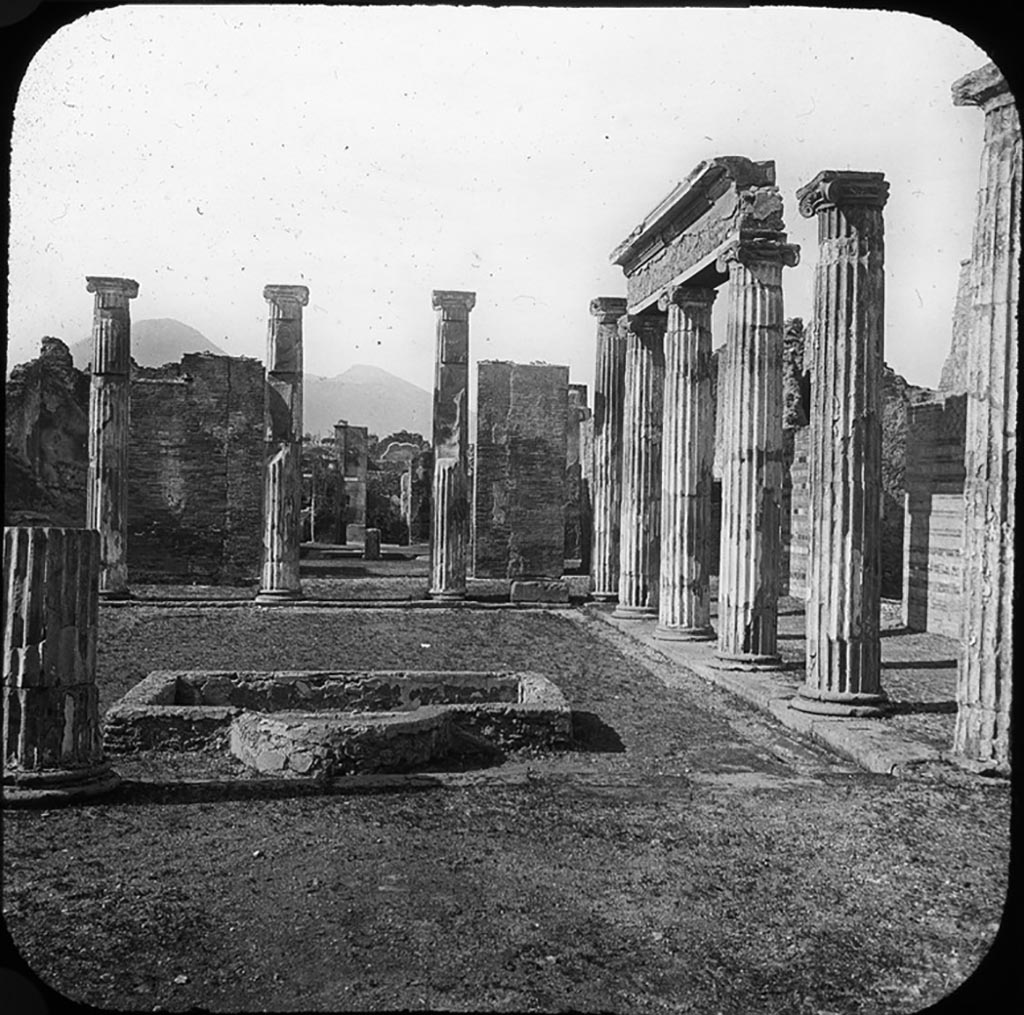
(750, 550)
(843, 674)
(606, 446)
(53, 749)
(985, 680)
(687, 452)
(340, 457)
(639, 525)
(282, 420)
(109, 396)
(449, 535)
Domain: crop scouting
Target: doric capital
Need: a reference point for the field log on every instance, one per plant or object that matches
(985, 87)
(759, 250)
(281, 294)
(687, 296)
(845, 188)
(608, 309)
(452, 299)
(103, 284)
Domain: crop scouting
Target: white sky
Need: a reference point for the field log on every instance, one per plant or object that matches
(375, 154)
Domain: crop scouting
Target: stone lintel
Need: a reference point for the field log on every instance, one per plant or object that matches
(282, 294)
(985, 87)
(686, 295)
(608, 308)
(833, 188)
(759, 249)
(452, 299)
(688, 200)
(105, 284)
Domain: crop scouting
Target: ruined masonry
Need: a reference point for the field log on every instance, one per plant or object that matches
(351, 445)
(843, 675)
(577, 486)
(985, 679)
(282, 498)
(606, 446)
(107, 486)
(449, 536)
(52, 744)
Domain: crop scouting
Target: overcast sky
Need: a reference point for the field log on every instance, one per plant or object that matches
(375, 154)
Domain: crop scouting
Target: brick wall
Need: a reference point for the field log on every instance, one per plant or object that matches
(934, 516)
(518, 522)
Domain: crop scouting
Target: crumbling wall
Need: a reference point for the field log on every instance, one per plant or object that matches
(518, 525)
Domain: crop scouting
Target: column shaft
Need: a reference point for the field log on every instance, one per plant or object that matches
(684, 607)
(639, 524)
(109, 396)
(449, 536)
(606, 447)
(51, 739)
(752, 466)
(985, 679)
(282, 417)
(843, 675)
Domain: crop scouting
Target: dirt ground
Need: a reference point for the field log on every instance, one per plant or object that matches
(688, 855)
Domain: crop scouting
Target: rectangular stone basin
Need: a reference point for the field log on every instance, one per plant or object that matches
(196, 710)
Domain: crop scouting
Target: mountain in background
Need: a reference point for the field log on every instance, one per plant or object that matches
(362, 395)
(154, 342)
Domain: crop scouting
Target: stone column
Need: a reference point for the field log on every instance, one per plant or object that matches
(843, 674)
(752, 454)
(450, 504)
(606, 446)
(687, 450)
(340, 455)
(282, 419)
(639, 524)
(109, 396)
(53, 749)
(985, 680)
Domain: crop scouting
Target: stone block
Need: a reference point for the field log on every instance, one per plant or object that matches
(539, 591)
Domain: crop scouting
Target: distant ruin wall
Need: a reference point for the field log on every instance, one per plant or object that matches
(518, 526)
(933, 537)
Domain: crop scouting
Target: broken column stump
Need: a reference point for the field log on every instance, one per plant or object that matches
(371, 545)
(53, 749)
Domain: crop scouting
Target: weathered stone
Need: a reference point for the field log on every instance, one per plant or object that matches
(351, 448)
(606, 444)
(449, 531)
(577, 500)
(282, 499)
(684, 607)
(539, 591)
(51, 731)
(985, 679)
(843, 674)
(954, 371)
(371, 545)
(107, 487)
(639, 525)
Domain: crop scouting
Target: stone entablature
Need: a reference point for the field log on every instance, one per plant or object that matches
(722, 201)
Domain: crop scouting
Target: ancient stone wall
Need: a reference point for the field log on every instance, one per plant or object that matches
(577, 528)
(519, 480)
(954, 370)
(933, 533)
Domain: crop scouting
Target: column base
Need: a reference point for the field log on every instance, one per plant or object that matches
(446, 595)
(665, 633)
(268, 597)
(746, 661)
(605, 597)
(843, 706)
(635, 612)
(57, 786)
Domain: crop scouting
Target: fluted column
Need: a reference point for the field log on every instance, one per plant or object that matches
(750, 547)
(639, 524)
(843, 675)
(606, 446)
(282, 420)
(449, 509)
(985, 679)
(53, 749)
(109, 396)
(687, 451)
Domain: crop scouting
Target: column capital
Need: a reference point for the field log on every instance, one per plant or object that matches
(452, 299)
(281, 294)
(985, 87)
(846, 188)
(687, 296)
(608, 309)
(646, 327)
(759, 250)
(105, 284)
